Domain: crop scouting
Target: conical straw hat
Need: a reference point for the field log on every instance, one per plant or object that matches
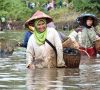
(38, 15)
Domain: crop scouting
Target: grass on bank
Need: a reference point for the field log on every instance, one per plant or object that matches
(63, 14)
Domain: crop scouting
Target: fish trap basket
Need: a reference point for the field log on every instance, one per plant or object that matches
(72, 57)
(97, 45)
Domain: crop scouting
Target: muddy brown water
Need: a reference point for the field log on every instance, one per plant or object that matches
(15, 76)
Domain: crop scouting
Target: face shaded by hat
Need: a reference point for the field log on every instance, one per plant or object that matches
(40, 25)
(82, 19)
(36, 16)
(88, 21)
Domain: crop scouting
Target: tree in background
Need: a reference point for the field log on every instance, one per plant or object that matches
(87, 5)
(14, 9)
(18, 9)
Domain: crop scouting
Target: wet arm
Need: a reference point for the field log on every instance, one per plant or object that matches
(59, 48)
(30, 53)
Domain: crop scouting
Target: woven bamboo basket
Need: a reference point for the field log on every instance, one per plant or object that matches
(97, 45)
(72, 60)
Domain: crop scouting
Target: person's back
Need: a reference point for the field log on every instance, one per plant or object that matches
(27, 35)
(26, 38)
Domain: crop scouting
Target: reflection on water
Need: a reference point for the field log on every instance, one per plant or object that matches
(52, 79)
(15, 76)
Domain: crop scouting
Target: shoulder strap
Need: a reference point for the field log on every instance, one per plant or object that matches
(52, 46)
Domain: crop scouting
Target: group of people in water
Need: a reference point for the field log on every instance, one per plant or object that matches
(44, 44)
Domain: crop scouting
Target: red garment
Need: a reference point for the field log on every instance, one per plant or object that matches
(91, 51)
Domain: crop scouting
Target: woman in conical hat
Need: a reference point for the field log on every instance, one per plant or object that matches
(39, 52)
(86, 35)
(30, 31)
(30, 26)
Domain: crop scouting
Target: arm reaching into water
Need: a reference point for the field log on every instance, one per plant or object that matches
(59, 48)
(30, 56)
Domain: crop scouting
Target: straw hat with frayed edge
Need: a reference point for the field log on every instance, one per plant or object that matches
(82, 17)
(38, 15)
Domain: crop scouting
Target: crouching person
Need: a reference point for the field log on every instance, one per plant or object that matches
(44, 47)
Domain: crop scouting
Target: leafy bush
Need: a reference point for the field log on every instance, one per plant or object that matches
(87, 5)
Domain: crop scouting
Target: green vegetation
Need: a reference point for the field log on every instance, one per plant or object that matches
(14, 9)
(87, 5)
(63, 14)
(18, 9)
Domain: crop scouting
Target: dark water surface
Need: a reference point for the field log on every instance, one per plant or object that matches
(15, 76)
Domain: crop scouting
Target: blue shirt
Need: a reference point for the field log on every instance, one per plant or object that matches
(26, 38)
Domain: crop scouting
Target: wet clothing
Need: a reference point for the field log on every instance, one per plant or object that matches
(91, 51)
(41, 55)
(85, 37)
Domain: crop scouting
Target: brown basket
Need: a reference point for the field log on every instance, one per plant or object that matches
(72, 60)
(97, 45)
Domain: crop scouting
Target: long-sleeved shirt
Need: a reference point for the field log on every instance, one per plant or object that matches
(85, 37)
(44, 55)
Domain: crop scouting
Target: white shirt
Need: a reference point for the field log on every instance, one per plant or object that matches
(44, 53)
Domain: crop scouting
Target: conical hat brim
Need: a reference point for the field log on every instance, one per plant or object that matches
(38, 15)
(82, 17)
